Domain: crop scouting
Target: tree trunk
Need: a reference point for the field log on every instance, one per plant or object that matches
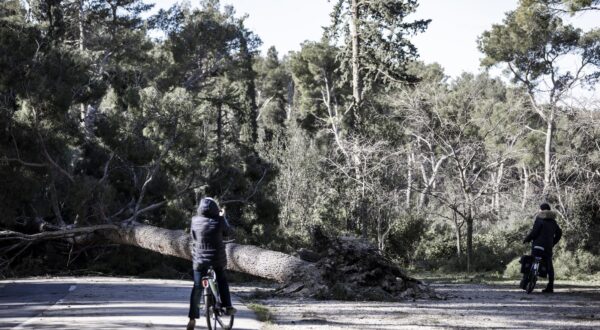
(409, 179)
(525, 187)
(548, 155)
(249, 259)
(356, 79)
(347, 265)
(469, 221)
(497, 184)
(343, 268)
(458, 237)
(250, 91)
(82, 106)
(429, 181)
(219, 131)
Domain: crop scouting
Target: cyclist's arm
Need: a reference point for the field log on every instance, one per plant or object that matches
(227, 229)
(535, 231)
(557, 235)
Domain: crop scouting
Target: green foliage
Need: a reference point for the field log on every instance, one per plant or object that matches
(530, 41)
(513, 269)
(404, 238)
(316, 74)
(492, 251)
(384, 30)
(110, 125)
(262, 312)
(584, 234)
(570, 264)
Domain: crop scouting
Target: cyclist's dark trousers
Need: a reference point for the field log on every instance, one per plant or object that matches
(549, 266)
(198, 289)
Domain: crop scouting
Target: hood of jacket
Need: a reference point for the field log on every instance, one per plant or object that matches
(547, 215)
(208, 208)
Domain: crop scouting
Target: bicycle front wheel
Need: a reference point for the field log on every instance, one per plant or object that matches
(531, 283)
(225, 321)
(209, 311)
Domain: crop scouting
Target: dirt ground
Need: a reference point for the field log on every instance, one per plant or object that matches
(467, 306)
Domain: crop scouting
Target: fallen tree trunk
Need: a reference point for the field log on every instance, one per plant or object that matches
(249, 259)
(348, 268)
(344, 268)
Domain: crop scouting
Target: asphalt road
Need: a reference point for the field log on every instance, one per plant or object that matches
(102, 303)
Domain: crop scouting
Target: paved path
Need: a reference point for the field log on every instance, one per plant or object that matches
(102, 303)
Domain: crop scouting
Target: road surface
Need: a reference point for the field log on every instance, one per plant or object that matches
(102, 303)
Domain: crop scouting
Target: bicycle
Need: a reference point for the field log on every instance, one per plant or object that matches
(215, 314)
(533, 274)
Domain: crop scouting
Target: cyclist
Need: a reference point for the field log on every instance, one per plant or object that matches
(544, 235)
(207, 231)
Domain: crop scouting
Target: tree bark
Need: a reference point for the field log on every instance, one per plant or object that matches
(548, 154)
(469, 221)
(219, 106)
(409, 179)
(354, 35)
(249, 259)
(345, 268)
(429, 181)
(458, 237)
(250, 91)
(82, 106)
(347, 265)
(525, 187)
(497, 184)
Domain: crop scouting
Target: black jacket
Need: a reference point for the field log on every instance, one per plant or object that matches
(545, 232)
(208, 229)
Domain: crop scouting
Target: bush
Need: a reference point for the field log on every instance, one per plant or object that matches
(492, 251)
(437, 251)
(513, 269)
(495, 250)
(584, 230)
(404, 238)
(569, 264)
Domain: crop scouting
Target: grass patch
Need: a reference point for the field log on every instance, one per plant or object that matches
(460, 278)
(499, 278)
(262, 312)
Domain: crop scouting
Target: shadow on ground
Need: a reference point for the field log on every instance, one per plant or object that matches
(468, 306)
(96, 303)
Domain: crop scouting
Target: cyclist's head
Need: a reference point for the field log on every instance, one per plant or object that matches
(545, 207)
(208, 207)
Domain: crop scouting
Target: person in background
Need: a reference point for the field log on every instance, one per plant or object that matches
(544, 235)
(208, 228)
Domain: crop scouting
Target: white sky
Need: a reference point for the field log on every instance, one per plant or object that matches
(450, 39)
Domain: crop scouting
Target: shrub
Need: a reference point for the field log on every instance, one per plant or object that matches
(569, 264)
(584, 230)
(404, 238)
(513, 269)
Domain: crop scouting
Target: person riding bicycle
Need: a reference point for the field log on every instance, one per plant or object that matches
(208, 228)
(544, 235)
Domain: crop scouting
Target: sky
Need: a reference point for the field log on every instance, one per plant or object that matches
(450, 40)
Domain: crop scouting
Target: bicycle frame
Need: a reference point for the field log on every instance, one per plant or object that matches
(535, 267)
(209, 282)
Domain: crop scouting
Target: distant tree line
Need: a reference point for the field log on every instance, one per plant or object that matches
(110, 116)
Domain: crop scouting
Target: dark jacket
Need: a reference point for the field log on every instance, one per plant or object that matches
(208, 229)
(545, 232)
